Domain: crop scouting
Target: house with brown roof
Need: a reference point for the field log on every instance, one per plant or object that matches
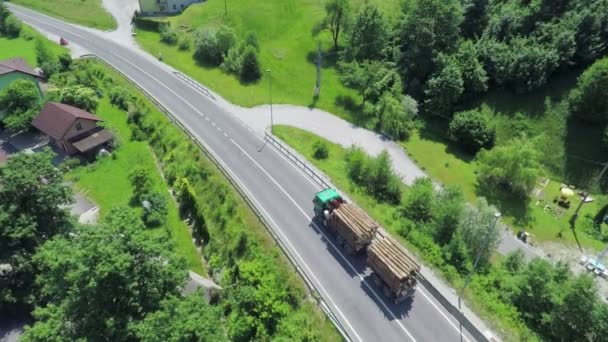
(14, 69)
(72, 129)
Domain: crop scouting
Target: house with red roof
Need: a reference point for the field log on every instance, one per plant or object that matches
(72, 129)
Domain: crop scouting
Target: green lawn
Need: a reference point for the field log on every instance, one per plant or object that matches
(84, 12)
(283, 28)
(25, 46)
(106, 181)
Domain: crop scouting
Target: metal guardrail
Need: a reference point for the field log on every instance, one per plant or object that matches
(235, 184)
(194, 84)
(297, 161)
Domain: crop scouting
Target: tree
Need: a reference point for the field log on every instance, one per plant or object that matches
(447, 211)
(21, 101)
(32, 201)
(456, 253)
(475, 18)
(155, 211)
(444, 90)
(419, 201)
(371, 79)
(478, 232)
(79, 96)
(187, 319)
(368, 36)
(514, 166)
(429, 27)
(45, 59)
(382, 182)
(168, 34)
(337, 13)
(471, 129)
(573, 316)
(250, 69)
(396, 115)
(142, 183)
(588, 101)
(11, 26)
(97, 282)
(211, 46)
(474, 75)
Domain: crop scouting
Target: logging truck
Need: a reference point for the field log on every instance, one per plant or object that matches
(394, 269)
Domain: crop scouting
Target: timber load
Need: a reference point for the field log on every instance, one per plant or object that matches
(354, 228)
(394, 266)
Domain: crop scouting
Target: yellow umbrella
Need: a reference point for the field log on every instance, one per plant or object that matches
(567, 192)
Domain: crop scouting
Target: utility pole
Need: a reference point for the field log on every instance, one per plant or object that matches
(481, 251)
(226, 7)
(318, 63)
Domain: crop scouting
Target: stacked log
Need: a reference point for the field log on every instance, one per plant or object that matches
(354, 225)
(393, 264)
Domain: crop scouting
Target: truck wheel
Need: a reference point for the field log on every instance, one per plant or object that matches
(376, 280)
(349, 249)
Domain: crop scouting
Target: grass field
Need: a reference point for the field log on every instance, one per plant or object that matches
(25, 46)
(84, 12)
(106, 181)
(283, 28)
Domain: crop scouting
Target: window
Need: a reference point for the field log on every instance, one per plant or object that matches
(78, 126)
(174, 6)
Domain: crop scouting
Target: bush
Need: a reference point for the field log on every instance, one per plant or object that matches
(234, 60)
(142, 183)
(78, 96)
(120, 97)
(11, 26)
(184, 43)
(252, 40)
(167, 34)
(471, 129)
(149, 24)
(376, 175)
(212, 46)
(250, 69)
(418, 205)
(65, 61)
(155, 209)
(320, 150)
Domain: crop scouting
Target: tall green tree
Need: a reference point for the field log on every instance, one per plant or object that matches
(371, 79)
(429, 27)
(419, 202)
(476, 18)
(478, 232)
(444, 90)
(514, 166)
(95, 283)
(183, 319)
(368, 37)
(447, 212)
(21, 102)
(588, 101)
(32, 199)
(336, 21)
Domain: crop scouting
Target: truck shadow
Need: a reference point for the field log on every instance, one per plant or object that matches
(390, 309)
(352, 264)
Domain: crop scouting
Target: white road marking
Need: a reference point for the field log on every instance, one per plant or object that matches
(226, 135)
(381, 301)
(207, 118)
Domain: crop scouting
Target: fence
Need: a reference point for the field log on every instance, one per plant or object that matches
(194, 84)
(246, 197)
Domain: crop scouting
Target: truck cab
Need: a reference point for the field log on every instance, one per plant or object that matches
(324, 200)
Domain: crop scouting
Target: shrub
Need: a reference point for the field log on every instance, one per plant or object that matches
(250, 69)
(376, 175)
(419, 203)
(252, 40)
(233, 62)
(78, 96)
(471, 129)
(167, 34)
(212, 46)
(11, 26)
(142, 183)
(184, 43)
(155, 209)
(320, 150)
(65, 61)
(120, 97)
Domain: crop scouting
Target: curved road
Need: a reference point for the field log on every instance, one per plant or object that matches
(281, 192)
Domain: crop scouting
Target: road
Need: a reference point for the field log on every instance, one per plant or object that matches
(281, 192)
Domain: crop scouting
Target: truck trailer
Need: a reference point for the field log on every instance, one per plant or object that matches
(394, 269)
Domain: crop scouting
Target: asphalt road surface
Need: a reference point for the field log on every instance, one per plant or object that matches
(282, 193)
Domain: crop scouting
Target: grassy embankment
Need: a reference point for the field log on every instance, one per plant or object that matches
(25, 46)
(288, 49)
(84, 12)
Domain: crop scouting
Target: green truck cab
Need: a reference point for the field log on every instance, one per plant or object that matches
(323, 200)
